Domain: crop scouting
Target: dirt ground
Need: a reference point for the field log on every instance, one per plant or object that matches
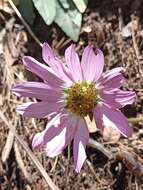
(114, 26)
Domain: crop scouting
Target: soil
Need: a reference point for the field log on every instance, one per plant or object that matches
(114, 26)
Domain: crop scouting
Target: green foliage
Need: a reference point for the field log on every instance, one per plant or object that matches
(65, 3)
(69, 20)
(66, 13)
(27, 11)
(47, 9)
(81, 4)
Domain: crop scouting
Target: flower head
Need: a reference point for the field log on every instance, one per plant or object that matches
(70, 92)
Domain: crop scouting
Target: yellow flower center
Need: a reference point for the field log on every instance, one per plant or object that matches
(81, 98)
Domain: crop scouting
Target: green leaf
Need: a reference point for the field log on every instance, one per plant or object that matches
(65, 3)
(81, 5)
(47, 9)
(69, 20)
(27, 11)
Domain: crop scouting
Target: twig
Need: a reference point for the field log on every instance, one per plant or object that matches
(21, 163)
(100, 147)
(60, 43)
(30, 154)
(55, 163)
(91, 167)
(136, 49)
(8, 146)
(69, 152)
(135, 119)
(65, 43)
(133, 162)
(24, 23)
(120, 19)
(134, 42)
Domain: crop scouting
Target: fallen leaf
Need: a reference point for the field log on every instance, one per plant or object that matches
(91, 125)
(111, 134)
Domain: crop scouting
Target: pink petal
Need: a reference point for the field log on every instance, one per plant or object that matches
(117, 98)
(38, 109)
(116, 119)
(50, 58)
(111, 79)
(41, 70)
(37, 90)
(92, 64)
(80, 141)
(125, 97)
(97, 114)
(54, 127)
(61, 139)
(51, 129)
(109, 100)
(55, 146)
(38, 141)
(73, 63)
(113, 118)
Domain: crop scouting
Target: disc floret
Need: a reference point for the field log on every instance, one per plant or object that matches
(81, 98)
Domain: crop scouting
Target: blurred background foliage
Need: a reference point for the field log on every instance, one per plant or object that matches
(67, 14)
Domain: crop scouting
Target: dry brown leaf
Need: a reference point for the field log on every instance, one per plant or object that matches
(111, 134)
(91, 125)
(127, 30)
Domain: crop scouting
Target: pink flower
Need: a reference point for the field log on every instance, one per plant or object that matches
(70, 92)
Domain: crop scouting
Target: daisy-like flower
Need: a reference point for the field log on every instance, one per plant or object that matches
(69, 92)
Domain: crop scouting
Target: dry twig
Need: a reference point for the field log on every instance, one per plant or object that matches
(100, 147)
(8, 146)
(133, 162)
(21, 163)
(54, 165)
(135, 120)
(91, 167)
